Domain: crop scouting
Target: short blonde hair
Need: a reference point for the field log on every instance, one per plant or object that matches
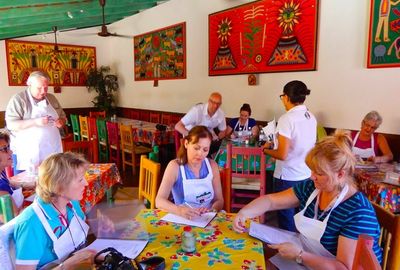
(333, 154)
(56, 173)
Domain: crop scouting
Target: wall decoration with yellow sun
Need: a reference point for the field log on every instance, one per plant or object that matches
(264, 36)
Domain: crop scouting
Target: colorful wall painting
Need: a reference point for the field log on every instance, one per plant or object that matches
(384, 34)
(264, 36)
(161, 54)
(68, 66)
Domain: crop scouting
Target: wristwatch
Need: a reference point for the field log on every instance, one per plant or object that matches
(299, 258)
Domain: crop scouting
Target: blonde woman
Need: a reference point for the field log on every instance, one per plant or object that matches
(332, 212)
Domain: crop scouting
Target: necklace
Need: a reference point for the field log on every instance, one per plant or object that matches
(326, 210)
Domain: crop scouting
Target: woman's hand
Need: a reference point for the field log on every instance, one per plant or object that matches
(287, 250)
(187, 212)
(239, 224)
(79, 258)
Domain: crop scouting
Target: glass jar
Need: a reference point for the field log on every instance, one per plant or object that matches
(188, 240)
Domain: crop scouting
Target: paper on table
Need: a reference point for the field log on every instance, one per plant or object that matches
(273, 235)
(129, 248)
(200, 221)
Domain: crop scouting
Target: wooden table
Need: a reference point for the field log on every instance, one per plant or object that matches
(370, 182)
(146, 132)
(100, 178)
(218, 245)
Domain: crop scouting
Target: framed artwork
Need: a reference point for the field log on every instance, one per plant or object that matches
(161, 54)
(384, 34)
(264, 36)
(67, 66)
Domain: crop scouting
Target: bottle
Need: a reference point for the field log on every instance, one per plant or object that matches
(188, 240)
(6, 207)
(261, 138)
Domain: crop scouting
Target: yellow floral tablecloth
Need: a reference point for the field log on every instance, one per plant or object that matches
(100, 178)
(218, 245)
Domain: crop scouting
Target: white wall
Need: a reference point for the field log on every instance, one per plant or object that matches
(343, 90)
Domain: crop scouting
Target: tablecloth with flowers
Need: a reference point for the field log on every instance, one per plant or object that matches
(100, 178)
(218, 245)
(386, 195)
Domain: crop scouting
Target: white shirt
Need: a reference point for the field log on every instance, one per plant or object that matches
(300, 126)
(198, 115)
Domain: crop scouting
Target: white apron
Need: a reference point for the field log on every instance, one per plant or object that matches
(311, 231)
(35, 144)
(198, 192)
(363, 153)
(18, 197)
(64, 245)
(246, 131)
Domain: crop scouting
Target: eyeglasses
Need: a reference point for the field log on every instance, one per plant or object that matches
(280, 96)
(215, 102)
(5, 148)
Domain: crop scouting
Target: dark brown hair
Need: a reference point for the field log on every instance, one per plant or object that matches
(296, 91)
(194, 135)
(246, 107)
(4, 136)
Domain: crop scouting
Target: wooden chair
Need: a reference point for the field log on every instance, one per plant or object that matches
(114, 144)
(129, 149)
(389, 239)
(155, 117)
(148, 180)
(93, 135)
(226, 183)
(101, 114)
(144, 116)
(102, 139)
(135, 115)
(364, 258)
(166, 119)
(83, 147)
(75, 127)
(83, 123)
(178, 141)
(248, 179)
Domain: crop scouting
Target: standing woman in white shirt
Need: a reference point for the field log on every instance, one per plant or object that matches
(296, 133)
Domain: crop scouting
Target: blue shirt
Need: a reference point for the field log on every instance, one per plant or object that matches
(234, 121)
(32, 243)
(177, 189)
(5, 183)
(350, 218)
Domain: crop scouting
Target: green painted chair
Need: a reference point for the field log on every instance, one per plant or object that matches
(103, 139)
(75, 127)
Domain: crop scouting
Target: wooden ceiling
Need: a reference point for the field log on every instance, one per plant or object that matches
(20, 18)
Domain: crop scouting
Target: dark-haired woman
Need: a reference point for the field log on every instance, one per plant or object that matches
(243, 125)
(296, 133)
(192, 177)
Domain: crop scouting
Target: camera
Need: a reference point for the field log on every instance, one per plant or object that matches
(114, 260)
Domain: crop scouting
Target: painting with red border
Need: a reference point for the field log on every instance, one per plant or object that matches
(264, 36)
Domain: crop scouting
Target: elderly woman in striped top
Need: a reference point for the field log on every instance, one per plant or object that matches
(333, 213)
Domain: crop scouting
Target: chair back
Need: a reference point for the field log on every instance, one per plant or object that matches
(226, 183)
(7, 246)
(126, 137)
(166, 119)
(83, 122)
(93, 135)
(101, 114)
(148, 180)
(364, 258)
(83, 147)
(102, 139)
(114, 144)
(389, 239)
(75, 127)
(178, 140)
(155, 117)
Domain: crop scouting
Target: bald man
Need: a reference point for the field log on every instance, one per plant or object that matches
(209, 115)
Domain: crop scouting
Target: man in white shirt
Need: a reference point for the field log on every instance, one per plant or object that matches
(209, 115)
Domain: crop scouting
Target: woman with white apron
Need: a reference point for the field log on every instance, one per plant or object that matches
(192, 178)
(333, 213)
(34, 144)
(52, 229)
(244, 126)
(370, 145)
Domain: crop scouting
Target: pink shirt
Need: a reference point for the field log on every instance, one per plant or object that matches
(366, 144)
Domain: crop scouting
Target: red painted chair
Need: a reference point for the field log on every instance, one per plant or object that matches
(248, 179)
(114, 144)
(364, 258)
(93, 135)
(83, 147)
(226, 183)
(101, 114)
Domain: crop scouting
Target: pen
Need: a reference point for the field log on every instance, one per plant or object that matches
(188, 205)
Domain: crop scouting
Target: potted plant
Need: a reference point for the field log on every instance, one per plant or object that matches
(105, 85)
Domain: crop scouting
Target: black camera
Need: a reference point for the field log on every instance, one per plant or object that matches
(114, 260)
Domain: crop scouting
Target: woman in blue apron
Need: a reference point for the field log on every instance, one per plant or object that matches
(193, 178)
(54, 226)
(333, 213)
(5, 185)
